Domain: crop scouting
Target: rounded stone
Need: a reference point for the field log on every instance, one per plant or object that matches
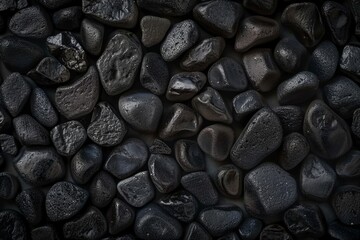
(291, 118)
(102, 189)
(189, 156)
(92, 36)
(160, 147)
(9, 185)
(229, 180)
(42, 109)
(30, 132)
(120, 216)
(290, 55)
(15, 225)
(153, 30)
(247, 103)
(345, 203)
(31, 203)
(68, 18)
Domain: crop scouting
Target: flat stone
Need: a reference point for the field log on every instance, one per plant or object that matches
(355, 125)
(5, 120)
(153, 30)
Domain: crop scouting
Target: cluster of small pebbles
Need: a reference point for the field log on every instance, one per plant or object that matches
(179, 119)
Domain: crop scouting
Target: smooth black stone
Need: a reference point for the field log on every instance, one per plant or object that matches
(31, 203)
(154, 74)
(298, 89)
(338, 19)
(13, 225)
(31, 22)
(120, 216)
(9, 185)
(200, 185)
(5, 120)
(153, 30)
(15, 92)
(44, 233)
(118, 65)
(216, 141)
(291, 118)
(317, 178)
(294, 149)
(274, 231)
(13, 50)
(42, 109)
(181, 37)
(343, 96)
(68, 137)
(340, 231)
(345, 203)
(261, 136)
(106, 129)
(265, 188)
(85, 163)
(224, 24)
(250, 228)
(227, 75)
(92, 36)
(53, 4)
(354, 4)
(247, 103)
(195, 231)
(179, 121)
(261, 69)
(189, 156)
(102, 189)
(68, 18)
(78, 98)
(324, 61)
(8, 145)
(127, 159)
(141, 110)
(160, 147)
(305, 221)
(185, 85)
(254, 31)
(30, 132)
(266, 7)
(228, 180)
(230, 236)
(327, 133)
(305, 21)
(165, 173)
(89, 226)
(152, 222)
(348, 166)
(290, 55)
(211, 105)
(49, 71)
(220, 219)
(64, 200)
(119, 14)
(348, 61)
(203, 55)
(355, 125)
(39, 166)
(181, 205)
(66, 48)
(137, 190)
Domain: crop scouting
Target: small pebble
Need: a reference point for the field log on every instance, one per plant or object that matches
(290, 55)
(246, 104)
(68, 18)
(92, 36)
(153, 30)
(9, 185)
(102, 189)
(189, 156)
(348, 59)
(345, 203)
(42, 109)
(29, 131)
(291, 118)
(120, 216)
(229, 180)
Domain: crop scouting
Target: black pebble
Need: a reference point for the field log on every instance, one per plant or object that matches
(120, 216)
(92, 36)
(30, 132)
(345, 203)
(102, 189)
(15, 92)
(264, 189)
(49, 71)
(9, 185)
(137, 190)
(106, 129)
(44, 233)
(219, 220)
(64, 200)
(89, 226)
(348, 60)
(261, 136)
(317, 178)
(13, 225)
(290, 55)
(153, 30)
(274, 231)
(195, 231)
(31, 203)
(127, 159)
(154, 74)
(85, 163)
(160, 147)
(165, 172)
(68, 18)
(152, 222)
(39, 166)
(250, 228)
(261, 69)
(227, 75)
(291, 118)
(229, 180)
(189, 156)
(247, 103)
(200, 185)
(348, 166)
(42, 109)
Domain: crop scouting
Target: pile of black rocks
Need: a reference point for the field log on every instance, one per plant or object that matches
(179, 119)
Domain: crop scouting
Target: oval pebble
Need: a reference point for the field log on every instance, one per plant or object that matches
(189, 155)
(9, 186)
(120, 216)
